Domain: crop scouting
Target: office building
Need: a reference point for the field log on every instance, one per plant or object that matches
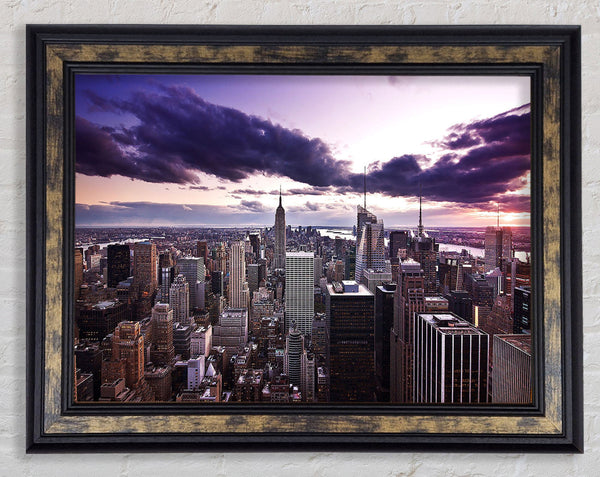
(294, 348)
(450, 360)
(370, 251)
(409, 298)
(162, 350)
(237, 277)
(384, 320)
(350, 311)
(216, 282)
(145, 275)
(398, 242)
(97, 320)
(119, 262)
(179, 300)
(511, 369)
(78, 274)
(299, 285)
(498, 245)
(166, 276)
(231, 331)
(522, 299)
(192, 268)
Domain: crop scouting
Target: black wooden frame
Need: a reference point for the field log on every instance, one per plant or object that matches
(550, 55)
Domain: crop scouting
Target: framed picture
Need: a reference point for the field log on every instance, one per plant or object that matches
(294, 237)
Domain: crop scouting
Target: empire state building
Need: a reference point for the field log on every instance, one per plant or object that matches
(279, 255)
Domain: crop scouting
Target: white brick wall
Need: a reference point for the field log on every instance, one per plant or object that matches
(14, 14)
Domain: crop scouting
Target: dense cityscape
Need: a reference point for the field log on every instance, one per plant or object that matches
(286, 314)
(230, 244)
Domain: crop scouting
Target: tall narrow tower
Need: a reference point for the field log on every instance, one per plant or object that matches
(237, 276)
(279, 255)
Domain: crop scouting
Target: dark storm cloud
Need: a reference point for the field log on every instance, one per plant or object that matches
(179, 134)
(493, 162)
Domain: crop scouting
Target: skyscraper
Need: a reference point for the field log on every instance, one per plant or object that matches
(350, 316)
(522, 299)
(384, 319)
(118, 265)
(370, 251)
(498, 245)
(398, 241)
(128, 346)
(145, 267)
(192, 268)
(78, 276)
(294, 348)
(299, 288)
(409, 299)
(237, 278)
(162, 351)
(511, 370)
(450, 360)
(280, 238)
(179, 300)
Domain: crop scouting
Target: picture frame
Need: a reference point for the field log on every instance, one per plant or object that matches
(549, 55)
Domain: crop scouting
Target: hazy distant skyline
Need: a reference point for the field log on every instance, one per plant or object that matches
(187, 150)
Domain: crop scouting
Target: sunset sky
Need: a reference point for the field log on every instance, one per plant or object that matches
(214, 149)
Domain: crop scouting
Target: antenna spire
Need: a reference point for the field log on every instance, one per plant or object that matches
(420, 211)
(365, 187)
(498, 220)
(280, 195)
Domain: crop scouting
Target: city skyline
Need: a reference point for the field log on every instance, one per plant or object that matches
(214, 150)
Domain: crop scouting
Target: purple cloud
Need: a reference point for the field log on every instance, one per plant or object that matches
(178, 134)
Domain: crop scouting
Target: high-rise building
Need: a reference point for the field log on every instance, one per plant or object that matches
(320, 338)
(182, 340)
(398, 241)
(255, 243)
(128, 348)
(384, 320)
(450, 360)
(237, 277)
(351, 314)
(78, 275)
(145, 275)
(179, 300)
(318, 269)
(100, 319)
(221, 258)
(280, 237)
(307, 376)
(511, 369)
(522, 299)
(192, 268)
(461, 304)
(498, 245)
(253, 277)
(216, 282)
(372, 279)
(363, 216)
(119, 262)
(162, 351)
(370, 251)
(202, 250)
(166, 276)
(231, 331)
(294, 348)
(299, 287)
(409, 298)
